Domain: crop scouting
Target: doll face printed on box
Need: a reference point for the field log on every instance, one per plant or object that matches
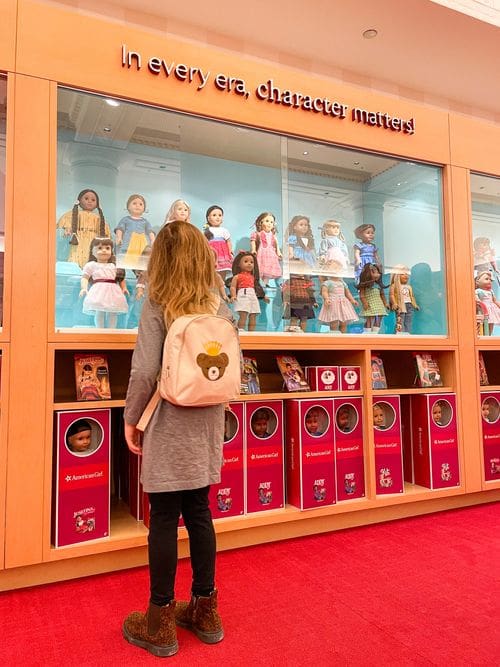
(263, 423)
(490, 409)
(383, 416)
(84, 437)
(442, 412)
(230, 425)
(316, 421)
(346, 418)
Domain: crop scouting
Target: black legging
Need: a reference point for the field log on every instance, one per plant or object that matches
(162, 542)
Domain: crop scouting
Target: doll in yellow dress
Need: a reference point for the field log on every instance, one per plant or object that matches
(81, 225)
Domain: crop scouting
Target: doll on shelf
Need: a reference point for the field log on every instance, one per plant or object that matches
(299, 302)
(365, 250)
(105, 298)
(179, 210)
(372, 297)
(484, 256)
(401, 299)
(337, 310)
(333, 253)
(219, 239)
(133, 233)
(301, 241)
(264, 245)
(81, 225)
(246, 290)
(484, 294)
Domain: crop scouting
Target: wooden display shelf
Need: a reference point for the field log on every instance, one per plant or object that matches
(489, 387)
(412, 390)
(89, 405)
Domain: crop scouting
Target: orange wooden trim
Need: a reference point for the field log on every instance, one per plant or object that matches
(8, 35)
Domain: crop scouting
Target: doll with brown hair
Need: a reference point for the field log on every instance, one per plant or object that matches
(299, 301)
(246, 290)
(179, 210)
(219, 239)
(82, 224)
(486, 296)
(401, 299)
(365, 250)
(133, 233)
(264, 245)
(301, 241)
(105, 298)
(372, 297)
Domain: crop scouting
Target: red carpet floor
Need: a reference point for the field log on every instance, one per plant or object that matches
(423, 591)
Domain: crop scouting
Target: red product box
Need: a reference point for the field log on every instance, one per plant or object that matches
(81, 477)
(435, 441)
(490, 413)
(349, 460)
(350, 378)
(227, 498)
(406, 439)
(322, 378)
(310, 453)
(388, 445)
(264, 454)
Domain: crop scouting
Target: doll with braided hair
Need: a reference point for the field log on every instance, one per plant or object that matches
(81, 225)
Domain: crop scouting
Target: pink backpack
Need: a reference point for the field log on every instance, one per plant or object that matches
(200, 366)
(201, 361)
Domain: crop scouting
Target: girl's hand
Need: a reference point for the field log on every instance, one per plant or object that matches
(133, 438)
(354, 302)
(266, 299)
(83, 292)
(125, 291)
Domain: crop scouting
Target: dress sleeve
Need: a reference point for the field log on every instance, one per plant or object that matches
(87, 270)
(146, 361)
(121, 225)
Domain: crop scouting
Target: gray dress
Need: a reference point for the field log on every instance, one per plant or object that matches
(182, 447)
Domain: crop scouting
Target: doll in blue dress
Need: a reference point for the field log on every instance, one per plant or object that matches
(133, 234)
(333, 253)
(365, 250)
(301, 242)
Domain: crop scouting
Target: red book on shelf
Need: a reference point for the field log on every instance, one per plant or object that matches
(92, 377)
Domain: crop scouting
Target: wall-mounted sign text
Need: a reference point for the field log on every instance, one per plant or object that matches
(267, 91)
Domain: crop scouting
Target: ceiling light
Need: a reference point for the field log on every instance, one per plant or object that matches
(106, 129)
(356, 163)
(112, 103)
(370, 33)
(305, 153)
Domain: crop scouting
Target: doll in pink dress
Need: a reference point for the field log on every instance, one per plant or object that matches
(219, 239)
(338, 305)
(265, 246)
(485, 295)
(105, 298)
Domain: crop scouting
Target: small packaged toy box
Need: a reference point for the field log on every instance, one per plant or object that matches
(428, 373)
(249, 376)
(378, 373)
(293, 375)
(348, 438)
(322, 378)
(490, 421)
(92, 377)
(386, 419)
(350, 378)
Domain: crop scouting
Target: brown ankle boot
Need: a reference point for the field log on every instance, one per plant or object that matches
(201, 617)
(154, 631)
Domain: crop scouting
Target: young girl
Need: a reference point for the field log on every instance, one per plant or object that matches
(299, 302)
(264, 245)
(372, 297)
(484, 294)
(181, 448)
(365, 250)
(333, 253)
(81, 225)
(179, 210)
(105, 298)
(246, 290)
(301, 241)
(134, 233)
(401, 299)
(338, 302)
(219, 239)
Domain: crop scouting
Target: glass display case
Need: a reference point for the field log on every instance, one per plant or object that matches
(485, 196)
(342, 241)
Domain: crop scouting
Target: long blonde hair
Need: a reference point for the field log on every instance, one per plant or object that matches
(181, 271)
(170, 217)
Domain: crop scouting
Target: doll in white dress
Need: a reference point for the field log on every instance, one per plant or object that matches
(102, 286)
